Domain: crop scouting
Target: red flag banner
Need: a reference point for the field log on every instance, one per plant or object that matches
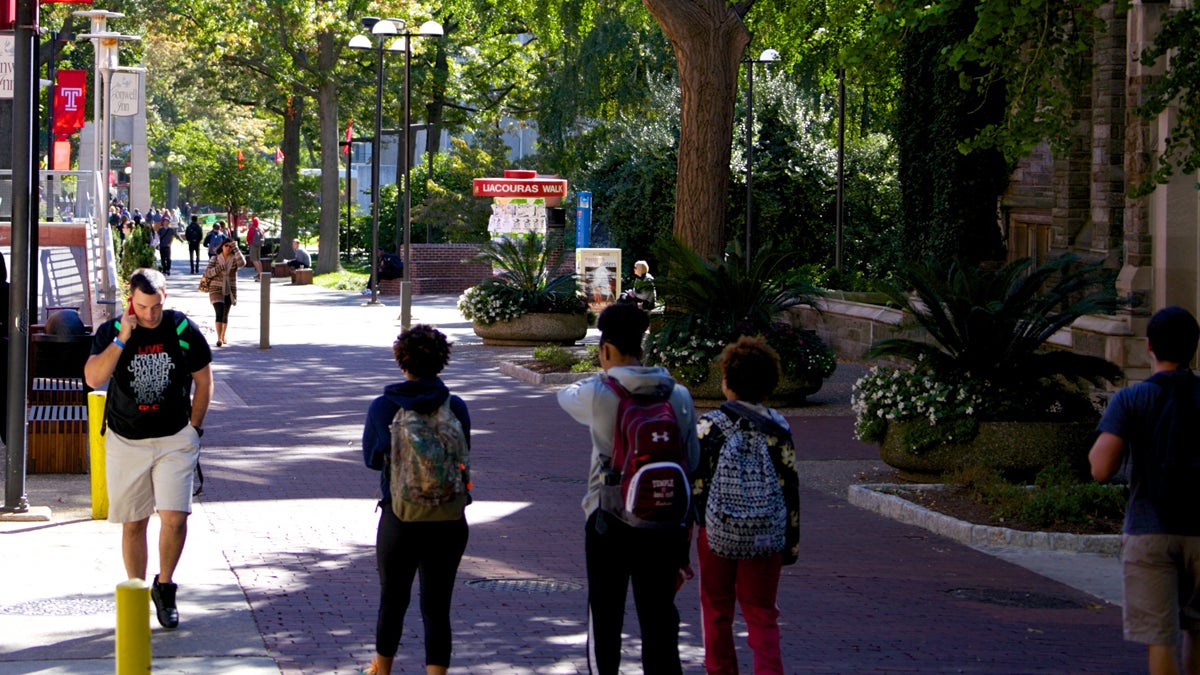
(241, 160)
(349, 134)
(69, 100)
(278, 156)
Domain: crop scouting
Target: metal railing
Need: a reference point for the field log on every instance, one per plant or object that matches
(70, 197)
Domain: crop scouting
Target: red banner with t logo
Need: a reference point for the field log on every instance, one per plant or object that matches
(69, 101)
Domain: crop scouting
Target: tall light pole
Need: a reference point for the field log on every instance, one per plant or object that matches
(105, 44)
(427, 29)
(380, 29)
(767, 56)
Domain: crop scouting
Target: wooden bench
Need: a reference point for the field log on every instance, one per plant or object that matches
(281, 270)
(302, 276)
(57, 391)
(58, 441)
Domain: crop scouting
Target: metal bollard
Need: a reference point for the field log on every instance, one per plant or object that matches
(95, 409)
(133, 627)
(405, 305)
(264, 310)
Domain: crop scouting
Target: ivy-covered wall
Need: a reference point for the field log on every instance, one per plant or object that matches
(949, 198)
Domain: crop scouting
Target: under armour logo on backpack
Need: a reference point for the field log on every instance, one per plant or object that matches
(660, 437)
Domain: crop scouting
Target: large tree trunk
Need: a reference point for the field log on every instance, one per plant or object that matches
(290, 200)
(709, 39)
(327, 114)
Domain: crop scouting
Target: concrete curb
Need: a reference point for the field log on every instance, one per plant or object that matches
(874, 497)
(531, 377)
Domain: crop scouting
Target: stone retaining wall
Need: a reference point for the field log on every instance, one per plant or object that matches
(851, 327)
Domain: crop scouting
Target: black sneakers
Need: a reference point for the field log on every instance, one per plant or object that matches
(163, 596)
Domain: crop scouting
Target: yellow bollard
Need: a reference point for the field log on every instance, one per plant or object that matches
(133, 627)
(96, 401)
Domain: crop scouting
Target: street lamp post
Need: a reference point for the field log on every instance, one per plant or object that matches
(106, 47)
(380, 29)
(427, 29)
(383, 27)
(767, 56)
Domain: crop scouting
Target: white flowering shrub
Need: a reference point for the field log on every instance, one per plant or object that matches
(950, 406)
(485, 306)
(687, 358)
(801, 352)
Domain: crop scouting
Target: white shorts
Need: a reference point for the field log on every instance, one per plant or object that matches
(150, 474)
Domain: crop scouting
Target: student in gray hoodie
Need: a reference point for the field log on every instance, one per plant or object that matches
(654, 560)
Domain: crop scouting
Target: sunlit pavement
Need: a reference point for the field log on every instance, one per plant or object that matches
(279, 573)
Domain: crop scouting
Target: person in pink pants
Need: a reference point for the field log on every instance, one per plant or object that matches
(747, 504)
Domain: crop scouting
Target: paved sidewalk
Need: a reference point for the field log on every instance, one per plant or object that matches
(278, 575)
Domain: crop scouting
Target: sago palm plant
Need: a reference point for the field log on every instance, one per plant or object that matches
(522, 283)
(709, 303)
(991, 327)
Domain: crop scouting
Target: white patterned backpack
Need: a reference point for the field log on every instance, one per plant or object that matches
(745, 515)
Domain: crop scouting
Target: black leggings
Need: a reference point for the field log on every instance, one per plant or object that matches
(401, 550)
(648, 559)
(222, 308)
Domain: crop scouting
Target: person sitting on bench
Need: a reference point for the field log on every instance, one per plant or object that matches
(391, 266)
(302, 259)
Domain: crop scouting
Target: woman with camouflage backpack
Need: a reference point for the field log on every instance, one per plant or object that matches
(417, 436)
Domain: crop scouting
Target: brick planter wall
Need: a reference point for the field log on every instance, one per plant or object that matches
(439, 268)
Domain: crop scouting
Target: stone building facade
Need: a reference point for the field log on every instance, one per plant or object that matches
(1079, 203)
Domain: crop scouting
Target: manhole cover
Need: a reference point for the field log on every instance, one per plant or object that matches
(62, 607)
(565, 479)
(524, 585)
(1023, 599)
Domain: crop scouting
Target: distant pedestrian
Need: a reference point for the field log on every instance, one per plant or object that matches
(418, 437)
(748, 507)
(220, 282)
(156, 364)
(618, 554)
(214, 239)
(167, 234)
(194, 234)
(1155, 425)
(254, 238)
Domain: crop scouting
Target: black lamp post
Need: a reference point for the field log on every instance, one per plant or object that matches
(380, 29)
(767, 56)
(404, 213)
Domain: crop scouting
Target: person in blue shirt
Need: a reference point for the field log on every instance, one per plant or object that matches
(1161, 536)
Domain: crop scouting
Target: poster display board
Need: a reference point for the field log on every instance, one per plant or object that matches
(599, 271)
(517, 215)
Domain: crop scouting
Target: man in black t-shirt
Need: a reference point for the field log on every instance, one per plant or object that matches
(151, 359)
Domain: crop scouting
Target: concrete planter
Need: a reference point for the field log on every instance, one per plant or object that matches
(792, 389)
(534, 329)
(1014, 448)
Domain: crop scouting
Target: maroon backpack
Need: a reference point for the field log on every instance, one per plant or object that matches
(645, 481)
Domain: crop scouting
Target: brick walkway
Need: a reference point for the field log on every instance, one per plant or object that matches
(292, 510)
